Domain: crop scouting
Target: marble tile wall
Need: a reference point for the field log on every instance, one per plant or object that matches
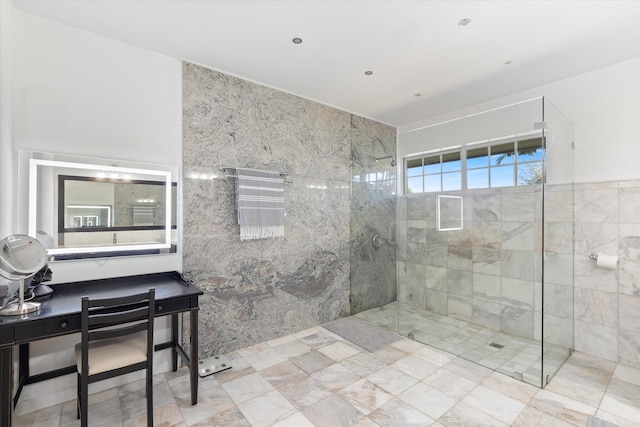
(607, 301)
(488, 273)
(262, 289)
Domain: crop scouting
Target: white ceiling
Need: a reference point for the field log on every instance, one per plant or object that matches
(412, 47)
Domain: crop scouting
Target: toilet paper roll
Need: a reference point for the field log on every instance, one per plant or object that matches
(607, 261)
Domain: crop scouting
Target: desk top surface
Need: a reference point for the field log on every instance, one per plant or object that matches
(66, 297)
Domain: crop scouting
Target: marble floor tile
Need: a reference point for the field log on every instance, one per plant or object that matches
(435, 356)
(263, 358)
(298, 386)
(239, 368)
(293, 348)
(399, 413)
(576, 390)
(312, 362)
(281, 340)
(390, 354)
(562, 407)
(392, 380)
(518, 390)
(616, 419)
(339, 351)
(495, 404)
(105, 414)
(622, 407)
(408, 346)
(415, 366)
(469, 370)
(427, 399)
(627, 373)
(135, 403)
(295, 420)
(332, 411)
(282, 374)
(317, 340)
(168, 415)
(363, 364)
(624, 389)
(336, 377)
(266, 409)
(463, 415)
(247, 387)
(230, 418)
(304, 391)
(533, 417)
(450, 384)
(365, 396)
(48, 416)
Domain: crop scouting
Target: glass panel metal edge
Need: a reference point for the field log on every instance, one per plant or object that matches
(163, 175)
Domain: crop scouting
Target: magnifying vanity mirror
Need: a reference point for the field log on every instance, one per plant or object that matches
(87, 208)
(21, 256)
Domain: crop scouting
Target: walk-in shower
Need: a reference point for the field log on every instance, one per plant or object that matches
(484, 231)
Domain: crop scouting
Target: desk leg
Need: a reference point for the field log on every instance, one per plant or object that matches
(175, 341)
(193, 358)
(6, 375)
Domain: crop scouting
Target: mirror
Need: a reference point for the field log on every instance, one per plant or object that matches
(20, 257)
(111, 204)
(89, 208)
(449, 213)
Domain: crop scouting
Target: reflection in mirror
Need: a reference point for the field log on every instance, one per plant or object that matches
(111, 203)
(449, 213)
(88, 210)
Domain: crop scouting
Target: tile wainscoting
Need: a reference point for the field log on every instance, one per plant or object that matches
(607, 302)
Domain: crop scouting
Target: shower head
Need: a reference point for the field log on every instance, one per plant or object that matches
(393, 161)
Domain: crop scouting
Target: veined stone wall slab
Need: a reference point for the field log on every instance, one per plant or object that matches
(262, 289)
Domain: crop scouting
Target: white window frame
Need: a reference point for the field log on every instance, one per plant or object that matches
(463, 159)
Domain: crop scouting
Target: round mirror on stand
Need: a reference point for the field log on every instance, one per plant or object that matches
(21, 256)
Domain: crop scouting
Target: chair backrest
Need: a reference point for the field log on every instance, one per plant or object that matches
(106, 318)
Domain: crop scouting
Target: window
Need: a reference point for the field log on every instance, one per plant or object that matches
(440, 172)
(505, 164)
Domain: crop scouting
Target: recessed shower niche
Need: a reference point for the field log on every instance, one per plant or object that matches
(485, 242)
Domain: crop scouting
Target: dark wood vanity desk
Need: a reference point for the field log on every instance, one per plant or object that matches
(60, 315)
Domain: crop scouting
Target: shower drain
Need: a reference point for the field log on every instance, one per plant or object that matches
(496, 345)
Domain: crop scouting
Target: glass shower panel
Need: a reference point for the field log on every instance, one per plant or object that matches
(557, 274)
(482, 292)
(373, 220)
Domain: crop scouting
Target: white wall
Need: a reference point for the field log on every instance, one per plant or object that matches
(78, 93)
(75, 92)
(604, 106)
(6, 155)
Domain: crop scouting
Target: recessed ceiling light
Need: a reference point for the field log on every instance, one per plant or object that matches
(297, 40)
(464, 22)
(368, 73)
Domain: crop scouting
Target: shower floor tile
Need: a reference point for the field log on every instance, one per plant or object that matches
(513, 356)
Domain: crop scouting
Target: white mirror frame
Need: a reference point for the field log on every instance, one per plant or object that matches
(33, 201)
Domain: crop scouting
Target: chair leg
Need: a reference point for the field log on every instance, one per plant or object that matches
(84, 404)
(78, 397)
(149, 390)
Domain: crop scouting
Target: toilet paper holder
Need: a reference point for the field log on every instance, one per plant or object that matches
(605, 261)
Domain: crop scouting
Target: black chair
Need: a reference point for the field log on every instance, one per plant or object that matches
(117, 338)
